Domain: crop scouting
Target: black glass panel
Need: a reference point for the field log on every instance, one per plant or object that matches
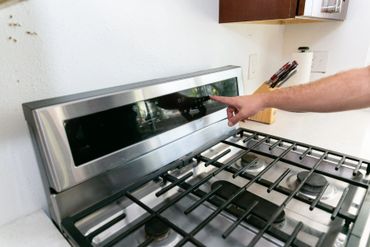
(101, 133)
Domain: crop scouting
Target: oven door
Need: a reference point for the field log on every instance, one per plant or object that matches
(326, 9)
(84, 138)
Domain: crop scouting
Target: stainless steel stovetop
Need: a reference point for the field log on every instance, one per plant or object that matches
(187, 200)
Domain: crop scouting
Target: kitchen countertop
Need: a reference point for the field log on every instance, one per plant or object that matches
(345, 132)
(33, 230)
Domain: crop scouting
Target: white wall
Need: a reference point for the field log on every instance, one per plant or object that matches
(347, 42)
(89, 44)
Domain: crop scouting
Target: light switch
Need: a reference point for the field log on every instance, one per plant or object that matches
(319, 62)
(252, 68)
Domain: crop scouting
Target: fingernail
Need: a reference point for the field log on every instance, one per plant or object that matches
(230, 124)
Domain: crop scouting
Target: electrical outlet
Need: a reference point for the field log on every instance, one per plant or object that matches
(319, 62)
(252, 68)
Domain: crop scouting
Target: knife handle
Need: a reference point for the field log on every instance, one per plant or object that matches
(283, 75)
(278, 73)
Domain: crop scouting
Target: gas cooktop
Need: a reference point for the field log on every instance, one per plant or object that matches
(250, 189)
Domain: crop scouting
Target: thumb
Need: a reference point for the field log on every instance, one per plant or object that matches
(235, 119)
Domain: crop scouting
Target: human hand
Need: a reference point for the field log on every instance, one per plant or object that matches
(239, 108)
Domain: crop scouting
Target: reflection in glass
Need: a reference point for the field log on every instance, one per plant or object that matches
(101, 133)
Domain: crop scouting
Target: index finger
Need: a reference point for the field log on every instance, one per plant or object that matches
(223, 100)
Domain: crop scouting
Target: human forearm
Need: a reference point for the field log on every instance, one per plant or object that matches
(340, 92)
(343, 91)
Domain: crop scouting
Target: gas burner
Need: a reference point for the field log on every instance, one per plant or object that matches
(254, 163)
(159, 233)
(312, 186)
(156, 229)
(260, 214)
(234, 138)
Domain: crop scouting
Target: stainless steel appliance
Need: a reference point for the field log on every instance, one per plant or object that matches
(325, 9)
(154, 164)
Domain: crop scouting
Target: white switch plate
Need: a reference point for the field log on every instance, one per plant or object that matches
(319, 62)
(367, 61)
(252, 68)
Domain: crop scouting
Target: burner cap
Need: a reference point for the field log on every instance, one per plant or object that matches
(253, 163)
(314, 184)
(156, 229)
(248, 158)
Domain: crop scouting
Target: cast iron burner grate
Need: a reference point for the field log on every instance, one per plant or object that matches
(287, 151)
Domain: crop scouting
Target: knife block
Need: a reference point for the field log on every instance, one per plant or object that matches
(267, 115)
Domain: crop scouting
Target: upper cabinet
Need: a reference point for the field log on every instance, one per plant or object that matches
(282, 11)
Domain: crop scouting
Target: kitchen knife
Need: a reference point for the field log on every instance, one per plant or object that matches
(278, 73)
(293, 72)
(285, 73)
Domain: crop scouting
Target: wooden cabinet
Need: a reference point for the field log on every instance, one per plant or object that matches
(258, 10)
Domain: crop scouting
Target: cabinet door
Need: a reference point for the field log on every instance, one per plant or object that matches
(253, 10)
